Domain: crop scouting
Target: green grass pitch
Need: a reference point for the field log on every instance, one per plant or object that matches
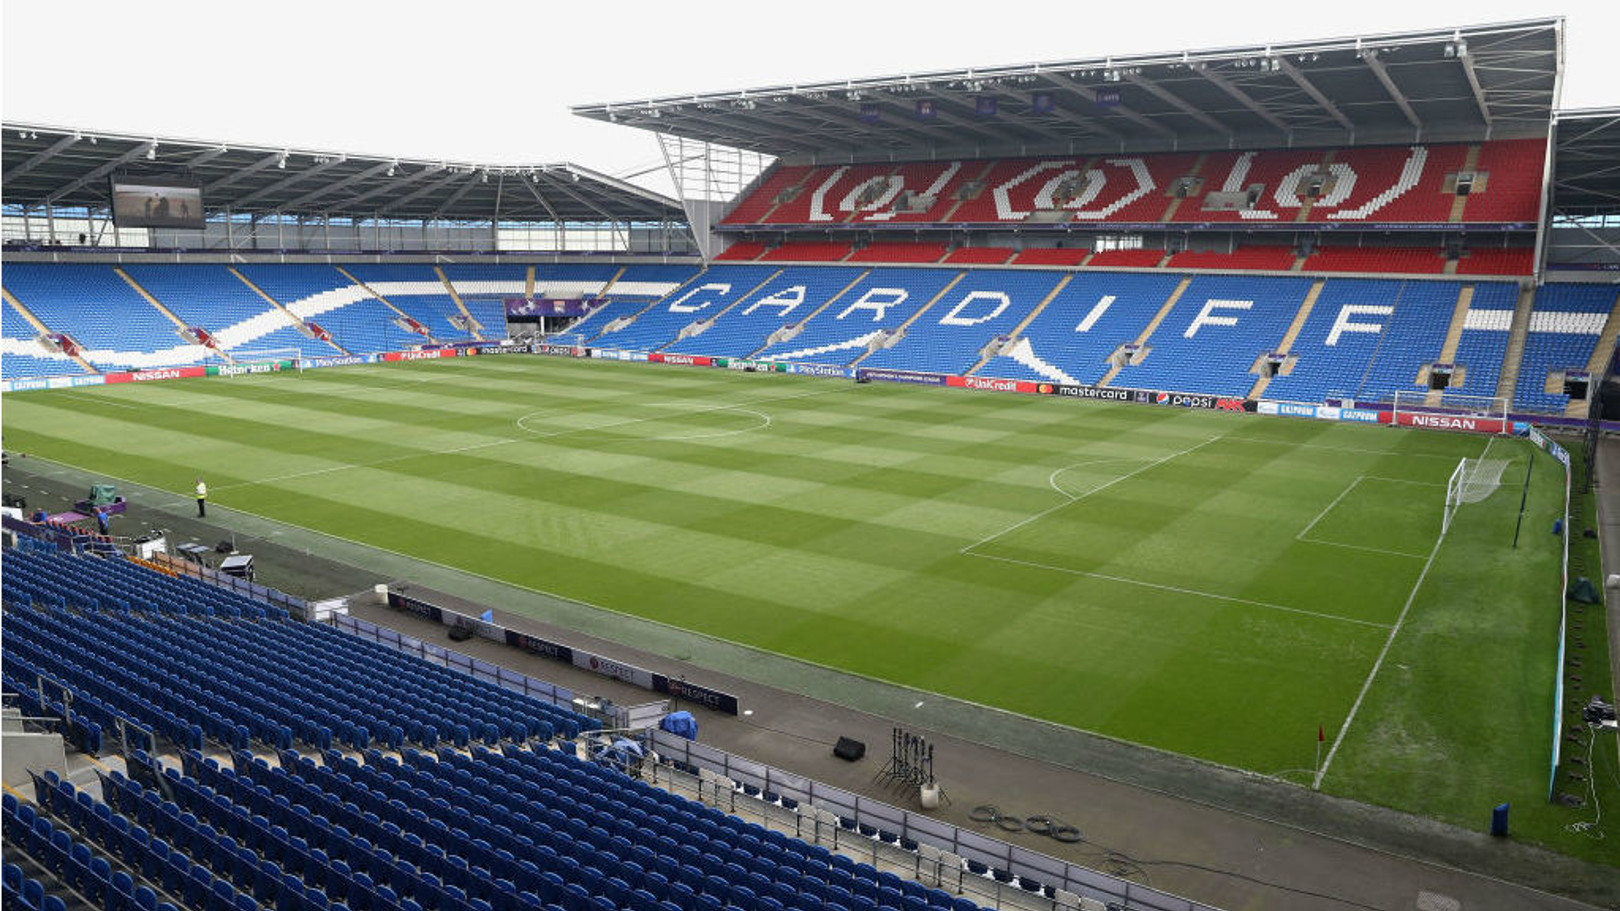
(1212, 584)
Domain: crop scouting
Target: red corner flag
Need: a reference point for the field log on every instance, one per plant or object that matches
(1320, 736)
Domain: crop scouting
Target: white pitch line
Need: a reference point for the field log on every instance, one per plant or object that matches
(1370, 550)
(1373, 477)
(1075, 499)
(1180, 591)
(1051, 479)
(1328, 508)
(1366, 685)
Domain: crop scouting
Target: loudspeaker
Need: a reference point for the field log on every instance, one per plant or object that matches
(849, 750)
(460, 633)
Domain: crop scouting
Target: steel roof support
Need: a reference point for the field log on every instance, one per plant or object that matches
(448, 179)
(349, 181)
(248, 171)
(1309, 88)
(288, 181)
(1245, 99)
(1370, 57)
(1090, 95)
(100, 172)
(39, 158)
(1474, 86)
(1175, 101)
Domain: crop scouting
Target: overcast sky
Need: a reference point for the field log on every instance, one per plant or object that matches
(491, 82)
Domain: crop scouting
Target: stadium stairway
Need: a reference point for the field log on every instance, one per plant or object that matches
(1508, 381)
(1147, 331)
(179, 324)
(1448, 348)
(1012, 337)
(1599, 361)
(474, 325)
(1291, 335)
(383, 300)
(1459, 203)
(899, 334)
(292, 319)
(528, 282)
(1175, 204)
(42, 329)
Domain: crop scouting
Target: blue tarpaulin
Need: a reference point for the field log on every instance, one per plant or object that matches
(680, 723)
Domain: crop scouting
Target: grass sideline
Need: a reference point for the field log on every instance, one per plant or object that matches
(1222, 586)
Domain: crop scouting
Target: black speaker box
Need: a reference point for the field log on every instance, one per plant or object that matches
(460, 633)
(849, 750)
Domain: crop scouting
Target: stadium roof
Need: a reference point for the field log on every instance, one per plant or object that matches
(60, 166)
(1497, 80)
(1587, 178)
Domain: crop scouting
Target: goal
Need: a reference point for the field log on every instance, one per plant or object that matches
(1471, 482)
(269, 359)
(1490, 412)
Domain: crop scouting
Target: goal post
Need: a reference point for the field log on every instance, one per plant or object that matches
(1471, 482)
(1492, 410)
(275, 358)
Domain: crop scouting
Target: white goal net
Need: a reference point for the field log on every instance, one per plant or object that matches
(1472, 482)
(269, 359)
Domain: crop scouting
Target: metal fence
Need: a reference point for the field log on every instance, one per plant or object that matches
(942, 847)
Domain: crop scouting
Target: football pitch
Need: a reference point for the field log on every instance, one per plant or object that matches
(1223, 586)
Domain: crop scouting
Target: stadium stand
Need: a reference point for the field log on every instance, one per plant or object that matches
(1050, 256)
(1482, 345)
(792, 295)
(1565, 323)
(502, 822)
(25, 358)
(742, 251)
(1512, 169)
(982, 256)
(1366, 339)
(1498, 261)
(701, 298)
(1071, 339)
(211, 297)
(1250, 259)
(1146, 258)
(808, 251)
(951, 336)
(756, 204)
(899, 253)
(1412, 184)
(573, 279)
(844, 333)
(114, 325)
(416, 290)
(1373, 260)
(1218, 328)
